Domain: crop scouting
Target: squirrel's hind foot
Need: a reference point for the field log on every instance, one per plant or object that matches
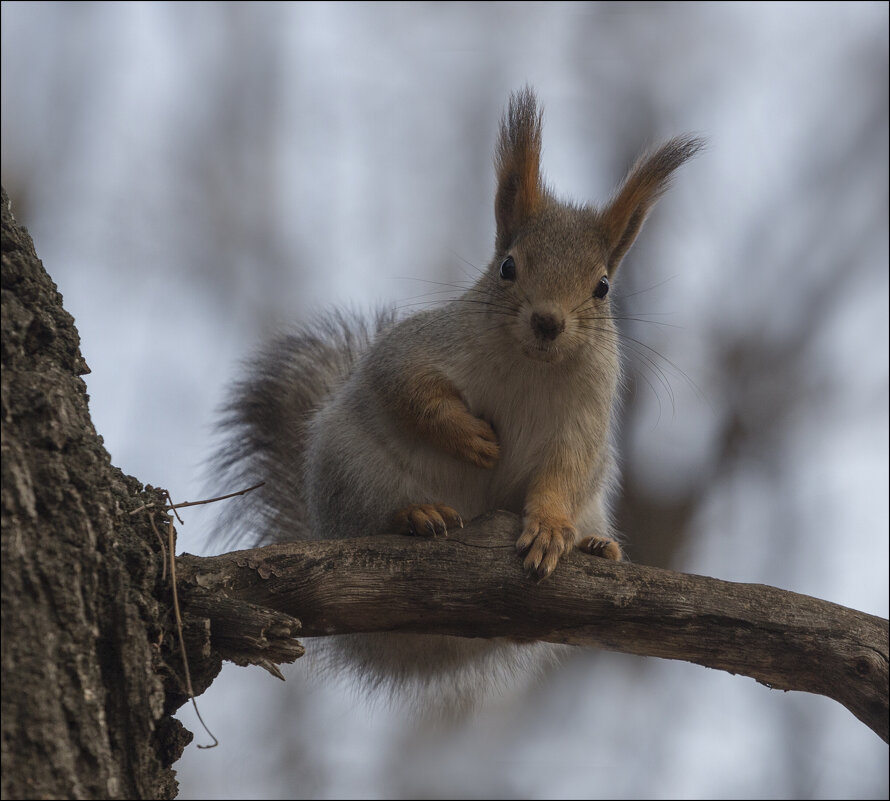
(600, 546)
(429, 519)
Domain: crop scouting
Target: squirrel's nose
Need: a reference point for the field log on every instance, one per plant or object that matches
(547, 326)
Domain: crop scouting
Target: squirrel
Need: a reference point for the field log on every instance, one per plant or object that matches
(503, 398)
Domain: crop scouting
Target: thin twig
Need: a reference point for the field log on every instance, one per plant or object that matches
(171, 507)
(175, 506)
(213, 500)
(185, 661)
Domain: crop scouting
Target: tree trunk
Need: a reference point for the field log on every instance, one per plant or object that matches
(86, 619)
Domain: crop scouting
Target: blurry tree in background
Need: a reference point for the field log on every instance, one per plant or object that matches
(237, 166)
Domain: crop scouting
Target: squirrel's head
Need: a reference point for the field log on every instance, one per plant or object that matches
(555, 262)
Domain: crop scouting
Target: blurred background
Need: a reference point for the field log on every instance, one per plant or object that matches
(199, 176)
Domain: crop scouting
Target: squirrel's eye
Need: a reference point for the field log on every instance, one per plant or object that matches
(602, 288)
(508, 269)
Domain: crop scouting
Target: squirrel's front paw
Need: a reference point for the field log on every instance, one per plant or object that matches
(474, 441)
(601, 546)
(545, 539)
(432, 519)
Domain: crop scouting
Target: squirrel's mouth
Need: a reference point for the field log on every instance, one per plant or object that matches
(543, 351)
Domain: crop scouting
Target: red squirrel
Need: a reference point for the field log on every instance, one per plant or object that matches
(503, 398)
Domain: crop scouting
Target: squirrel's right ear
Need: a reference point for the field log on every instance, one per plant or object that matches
(647, 181)
(518, 165)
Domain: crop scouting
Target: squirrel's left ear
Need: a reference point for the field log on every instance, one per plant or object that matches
(518, 164)
(645, 183)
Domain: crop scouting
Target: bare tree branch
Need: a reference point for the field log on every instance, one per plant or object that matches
(472, 584)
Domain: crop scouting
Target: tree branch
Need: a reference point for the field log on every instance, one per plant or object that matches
(472, 584)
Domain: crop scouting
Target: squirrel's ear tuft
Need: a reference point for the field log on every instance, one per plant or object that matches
(645, 183)
(518, 165)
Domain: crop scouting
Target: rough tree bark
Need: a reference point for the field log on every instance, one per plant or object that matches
(87, 687)
(91, 669)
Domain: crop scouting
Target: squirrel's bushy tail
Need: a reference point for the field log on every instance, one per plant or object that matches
(264, 424)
